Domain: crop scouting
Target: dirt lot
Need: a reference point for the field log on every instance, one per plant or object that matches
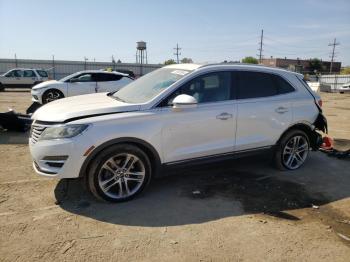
(245, 209)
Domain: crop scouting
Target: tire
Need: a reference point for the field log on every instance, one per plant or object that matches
(51, 95)
(2, 88)
(112, 174)
(292, 150)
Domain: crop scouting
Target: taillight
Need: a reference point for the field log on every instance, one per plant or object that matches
(319, 102)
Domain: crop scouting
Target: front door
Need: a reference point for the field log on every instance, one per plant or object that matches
(81, 85)
(206, 130)
(14, 78)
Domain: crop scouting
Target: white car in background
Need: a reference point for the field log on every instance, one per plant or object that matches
(80, 83)
(344, 88)
(22, 77)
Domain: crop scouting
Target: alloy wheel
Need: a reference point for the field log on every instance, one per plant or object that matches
(295, 152)
(121, 176)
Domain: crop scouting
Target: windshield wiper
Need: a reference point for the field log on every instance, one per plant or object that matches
(118, 98)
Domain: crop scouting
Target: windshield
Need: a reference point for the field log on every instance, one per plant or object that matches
(150, 85)
(64, 79)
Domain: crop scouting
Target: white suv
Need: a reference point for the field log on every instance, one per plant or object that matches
(176, 115)
(22, 77)
(80, 83)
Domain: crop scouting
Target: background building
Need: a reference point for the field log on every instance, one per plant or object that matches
(302, 66)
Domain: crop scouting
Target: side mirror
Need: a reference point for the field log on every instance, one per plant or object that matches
(73, 80)
(184, 101)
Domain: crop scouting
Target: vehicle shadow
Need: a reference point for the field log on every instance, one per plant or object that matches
(230, 188)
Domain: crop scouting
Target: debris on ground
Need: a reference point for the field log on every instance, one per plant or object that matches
(33, 107)
(196, 192)
(12, 121)
(314, 206)
(344, 221)
(67, 246)
(343, 236)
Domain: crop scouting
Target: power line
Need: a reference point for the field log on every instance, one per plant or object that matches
(177, 53)
(334, 44)
(261, 45)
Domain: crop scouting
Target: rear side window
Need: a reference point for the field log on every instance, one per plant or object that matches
(255, 85)
(28, 73)
(107, 77)
(42, 73)
(283, 87)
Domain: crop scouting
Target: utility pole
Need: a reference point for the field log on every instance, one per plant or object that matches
(177, 53)
(334, 44)
(85, 65)
(53, 67)
(16, 60)
(260, 49)
(113, 62)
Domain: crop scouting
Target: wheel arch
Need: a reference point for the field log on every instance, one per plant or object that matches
(51, 89)
(309, 130)
(143, 145)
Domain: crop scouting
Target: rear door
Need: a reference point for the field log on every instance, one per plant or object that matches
(264, 109)
(29, 77)
(81, 84)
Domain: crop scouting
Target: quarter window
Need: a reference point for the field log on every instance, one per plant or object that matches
(283, 86)
(213, 87)
(42, 73)
(255, 85)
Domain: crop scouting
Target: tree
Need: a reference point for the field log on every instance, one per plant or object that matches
(315, 64)
(186, 60)
(169, 62)
(250, 60)
(345, 71)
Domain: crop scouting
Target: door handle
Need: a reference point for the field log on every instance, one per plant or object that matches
(224, 116)
(281, 110)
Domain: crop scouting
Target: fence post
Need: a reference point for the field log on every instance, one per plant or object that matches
(336, 83)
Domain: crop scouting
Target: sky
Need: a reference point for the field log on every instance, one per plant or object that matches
(207, 31)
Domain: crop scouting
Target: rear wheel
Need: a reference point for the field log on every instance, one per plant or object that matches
(292, 150)
(2, 88)
(52, 95)
(119, 173)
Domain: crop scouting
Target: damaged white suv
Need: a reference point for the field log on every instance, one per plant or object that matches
(176, 115)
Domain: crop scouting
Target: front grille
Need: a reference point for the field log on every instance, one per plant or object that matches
(35, 132)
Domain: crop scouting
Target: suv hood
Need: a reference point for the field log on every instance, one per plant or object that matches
(81, 106)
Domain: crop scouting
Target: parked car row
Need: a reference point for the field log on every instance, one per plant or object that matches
(175, 116)
(22, 77)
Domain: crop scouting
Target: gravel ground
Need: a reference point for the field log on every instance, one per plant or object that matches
(242, 210)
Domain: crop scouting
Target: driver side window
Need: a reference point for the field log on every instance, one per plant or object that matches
(212, 87)
(83, 78)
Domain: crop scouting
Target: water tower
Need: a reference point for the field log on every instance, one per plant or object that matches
(141, 54)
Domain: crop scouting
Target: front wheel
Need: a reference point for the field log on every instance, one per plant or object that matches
(119, 173)
(52, 95)
(292, 151)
